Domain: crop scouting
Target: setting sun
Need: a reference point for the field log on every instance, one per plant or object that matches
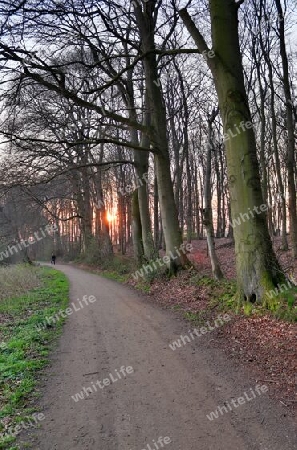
(110, 216)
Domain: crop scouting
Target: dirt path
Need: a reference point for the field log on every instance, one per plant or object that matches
(169, 394)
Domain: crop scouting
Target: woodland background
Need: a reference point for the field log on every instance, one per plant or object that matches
(112, 130)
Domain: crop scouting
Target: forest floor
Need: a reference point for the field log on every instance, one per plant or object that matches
(254, 339)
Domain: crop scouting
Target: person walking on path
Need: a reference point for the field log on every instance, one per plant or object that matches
(53, 261)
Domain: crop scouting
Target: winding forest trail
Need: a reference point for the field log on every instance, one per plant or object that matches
(169, 393)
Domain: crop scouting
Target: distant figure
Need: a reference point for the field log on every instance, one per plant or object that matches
(53, 260)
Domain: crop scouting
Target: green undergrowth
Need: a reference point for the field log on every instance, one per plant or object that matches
(145, 282)
(222, 292)
(218, 297)
(116, 267)
(113, 275)
(149, 276)
(282, 304)
(24, 348)
(122, 267)
(143, 286)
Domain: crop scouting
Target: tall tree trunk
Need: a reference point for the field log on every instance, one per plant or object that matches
(81, 186)
(258, 270)
(143, 201)
(219, 196)
(145, 17)
(156, 215)
(197, 203)
(186, 156)
(207, 211)
(290, 130)
(136, 229)
(189, 215)
(230, 230)
(281, 189)
(142, 166)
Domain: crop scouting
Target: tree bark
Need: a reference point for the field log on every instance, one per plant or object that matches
(290, 130)
(146, 24)
(156, 215)
(136, 229)
(281, 189)
(258, 270)
(207, 211)
(142, 166)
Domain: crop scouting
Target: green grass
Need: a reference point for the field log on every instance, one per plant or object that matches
(176, 307)
(192, 317)
(284, 305)
(222, 295)
(116, 267)
(23, 348)
(143, 285)
(112, 275)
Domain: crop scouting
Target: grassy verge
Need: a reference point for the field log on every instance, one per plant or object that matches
(24, 349)
(117, 267)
